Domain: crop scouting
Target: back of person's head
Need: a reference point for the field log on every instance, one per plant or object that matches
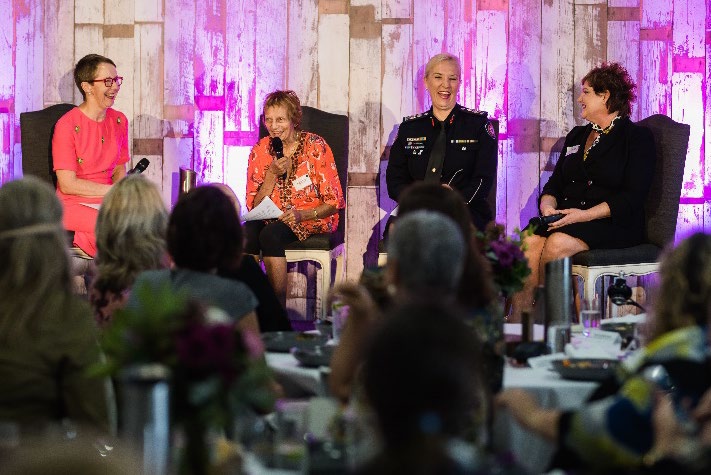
(130, 233)
(229, 192)
(422, 376)
(685, 289)
(426, 253)
(476, 285)
(435, 197)
(204, 232)
(33, 252)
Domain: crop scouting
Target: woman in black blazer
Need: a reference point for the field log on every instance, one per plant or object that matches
(600, 182)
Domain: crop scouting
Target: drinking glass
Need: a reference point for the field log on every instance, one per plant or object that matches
(590, 316)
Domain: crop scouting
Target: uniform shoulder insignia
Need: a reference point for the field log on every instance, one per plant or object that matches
(414, 117)
(475, 111)
(490, 129)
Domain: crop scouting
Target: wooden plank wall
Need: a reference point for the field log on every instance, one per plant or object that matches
(197, 72)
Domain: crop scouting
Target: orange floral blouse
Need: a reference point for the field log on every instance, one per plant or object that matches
(313, 158)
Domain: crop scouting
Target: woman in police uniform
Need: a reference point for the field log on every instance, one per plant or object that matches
(600, 182)
(448, 144)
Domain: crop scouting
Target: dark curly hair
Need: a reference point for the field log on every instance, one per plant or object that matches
(615, 79)
(204, 231)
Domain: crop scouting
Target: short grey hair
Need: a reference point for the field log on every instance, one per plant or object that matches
(428, 251)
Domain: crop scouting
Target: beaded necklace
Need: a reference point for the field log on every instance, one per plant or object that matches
(285, 184)
(600, 132)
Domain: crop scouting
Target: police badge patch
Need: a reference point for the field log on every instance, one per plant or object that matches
(490, 130)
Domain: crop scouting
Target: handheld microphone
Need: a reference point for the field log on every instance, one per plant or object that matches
(278, 148)
(140, 166)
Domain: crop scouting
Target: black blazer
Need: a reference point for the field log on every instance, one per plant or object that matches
(618, 170)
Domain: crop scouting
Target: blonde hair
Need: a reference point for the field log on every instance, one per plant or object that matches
(130, 233)
(441, 58)
(684, 296)
(35, 280)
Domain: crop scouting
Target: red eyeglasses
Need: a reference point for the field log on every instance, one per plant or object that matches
(108, 82)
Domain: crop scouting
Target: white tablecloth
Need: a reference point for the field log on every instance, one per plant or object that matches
(530, 450)
(287, 367)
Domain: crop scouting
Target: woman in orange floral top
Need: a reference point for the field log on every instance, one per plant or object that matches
(303, 183)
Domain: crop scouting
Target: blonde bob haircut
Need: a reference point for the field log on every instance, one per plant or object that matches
(130, 233)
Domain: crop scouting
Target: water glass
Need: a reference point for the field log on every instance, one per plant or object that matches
(590, 316)
(340, 314)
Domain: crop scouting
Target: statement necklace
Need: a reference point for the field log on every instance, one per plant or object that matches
(600, 132)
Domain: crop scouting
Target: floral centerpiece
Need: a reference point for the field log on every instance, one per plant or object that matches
(215, 369)
(509, 265)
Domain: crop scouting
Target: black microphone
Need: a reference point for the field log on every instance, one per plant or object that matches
(140, 166)
(278, 148)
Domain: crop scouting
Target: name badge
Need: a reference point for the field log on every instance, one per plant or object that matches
(572, 150)
(301, 182)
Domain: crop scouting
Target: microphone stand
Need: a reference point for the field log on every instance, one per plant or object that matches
(620, 293)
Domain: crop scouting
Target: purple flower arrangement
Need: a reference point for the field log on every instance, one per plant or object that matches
(216, 370)
(505, 254)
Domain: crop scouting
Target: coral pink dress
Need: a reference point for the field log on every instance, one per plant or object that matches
(92, 150)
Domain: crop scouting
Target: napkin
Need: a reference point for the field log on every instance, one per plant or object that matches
(599, 345)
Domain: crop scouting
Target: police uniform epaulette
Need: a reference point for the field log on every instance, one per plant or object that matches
(475, 111)
(416, 116)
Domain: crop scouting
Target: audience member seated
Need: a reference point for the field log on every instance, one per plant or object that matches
(204, 238)
(616, 431)
(303, 183)
(475, 294)
(90, 148)
(422, 380)
(677, 449)
(130, 238)
(47, 335)
(600, 182)
(270, 313)
(418, 267)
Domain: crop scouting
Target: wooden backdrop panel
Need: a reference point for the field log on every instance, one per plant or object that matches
(302, 50)
(240, 66)
(58, 62)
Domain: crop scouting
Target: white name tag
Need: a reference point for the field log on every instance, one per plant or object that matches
(571, 150)
(302, 182)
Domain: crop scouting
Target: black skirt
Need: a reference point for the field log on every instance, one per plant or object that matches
(599, 234)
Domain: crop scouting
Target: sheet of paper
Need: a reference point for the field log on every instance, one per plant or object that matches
(92, 205)
(264, 210)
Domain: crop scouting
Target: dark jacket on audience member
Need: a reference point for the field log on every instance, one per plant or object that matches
(270, 313)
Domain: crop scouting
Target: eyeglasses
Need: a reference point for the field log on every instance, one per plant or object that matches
(108, 82)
